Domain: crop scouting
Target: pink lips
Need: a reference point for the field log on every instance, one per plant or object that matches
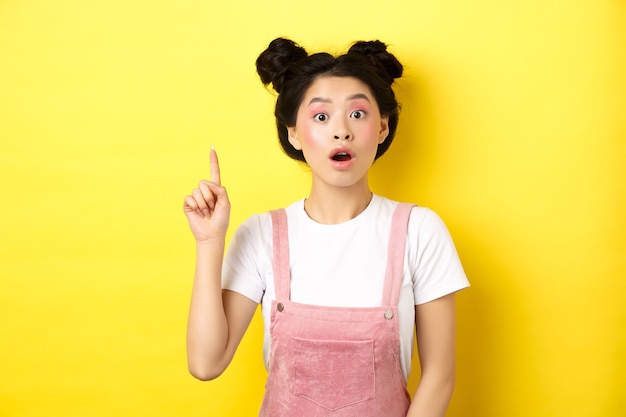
(341, 158)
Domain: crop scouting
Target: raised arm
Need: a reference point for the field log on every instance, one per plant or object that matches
(436, 327)
(217, 319)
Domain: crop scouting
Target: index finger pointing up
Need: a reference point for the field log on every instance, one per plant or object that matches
(215, 167)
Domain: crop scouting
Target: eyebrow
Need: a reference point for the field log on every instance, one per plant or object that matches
(327, 100)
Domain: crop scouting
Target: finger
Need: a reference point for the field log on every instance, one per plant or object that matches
(208, 195)
(215, 167)
(219, 193)
(190, 204)
(202, 204)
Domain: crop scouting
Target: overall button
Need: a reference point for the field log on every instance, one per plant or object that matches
(280, 307)
(388, 314)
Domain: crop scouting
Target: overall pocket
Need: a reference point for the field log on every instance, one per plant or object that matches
(334, 374)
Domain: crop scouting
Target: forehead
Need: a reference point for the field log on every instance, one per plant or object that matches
(335, 88)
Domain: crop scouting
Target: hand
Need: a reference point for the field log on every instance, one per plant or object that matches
(207, 208)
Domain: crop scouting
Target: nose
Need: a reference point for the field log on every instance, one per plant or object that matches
(342, 132)
(346, 136)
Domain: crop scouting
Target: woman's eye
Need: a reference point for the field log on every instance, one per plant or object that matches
(358, 114)
(320, 117)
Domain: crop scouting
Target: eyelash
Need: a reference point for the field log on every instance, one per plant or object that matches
(361, 114)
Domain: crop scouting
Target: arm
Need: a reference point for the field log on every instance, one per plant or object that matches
(217, 319)
(436, 326)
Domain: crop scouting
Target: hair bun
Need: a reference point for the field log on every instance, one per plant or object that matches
(376, 52)
(276, 59)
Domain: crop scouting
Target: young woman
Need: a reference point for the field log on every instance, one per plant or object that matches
(344, 276)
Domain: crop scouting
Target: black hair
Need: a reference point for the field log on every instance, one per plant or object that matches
(291, 71)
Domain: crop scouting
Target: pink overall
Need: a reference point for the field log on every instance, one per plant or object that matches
(336, 361)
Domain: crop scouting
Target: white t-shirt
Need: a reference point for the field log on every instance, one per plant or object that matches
(344, 264)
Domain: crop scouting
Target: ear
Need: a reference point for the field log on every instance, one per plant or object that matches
(293, 138)
(384, 129)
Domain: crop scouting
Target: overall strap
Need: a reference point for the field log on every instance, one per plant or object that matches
(395, 254)
(280, 258)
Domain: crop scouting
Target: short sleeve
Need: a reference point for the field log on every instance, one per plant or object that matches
(435, 265)
(245, 263)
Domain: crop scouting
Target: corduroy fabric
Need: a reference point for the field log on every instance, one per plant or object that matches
(336, 361)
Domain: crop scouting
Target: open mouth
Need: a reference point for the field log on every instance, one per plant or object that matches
(341, 156)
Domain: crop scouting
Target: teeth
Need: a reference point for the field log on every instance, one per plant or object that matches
(341, 156)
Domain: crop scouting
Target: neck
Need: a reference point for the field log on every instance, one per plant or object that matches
(333, 205)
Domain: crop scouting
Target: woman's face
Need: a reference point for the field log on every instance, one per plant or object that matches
(338, 128)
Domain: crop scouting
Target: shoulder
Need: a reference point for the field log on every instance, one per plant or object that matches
(426, 220)
(424, 225)
(253, 236)
(422, 219)
(295, 210)
(420, 216)
(259, 225)
(255, 225)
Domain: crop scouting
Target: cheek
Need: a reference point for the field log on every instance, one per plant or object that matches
(370, 131)
(311, 137)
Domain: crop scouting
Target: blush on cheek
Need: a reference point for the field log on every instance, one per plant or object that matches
(370, 130)
(312, 138)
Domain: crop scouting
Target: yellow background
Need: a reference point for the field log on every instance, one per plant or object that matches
(512, 129)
